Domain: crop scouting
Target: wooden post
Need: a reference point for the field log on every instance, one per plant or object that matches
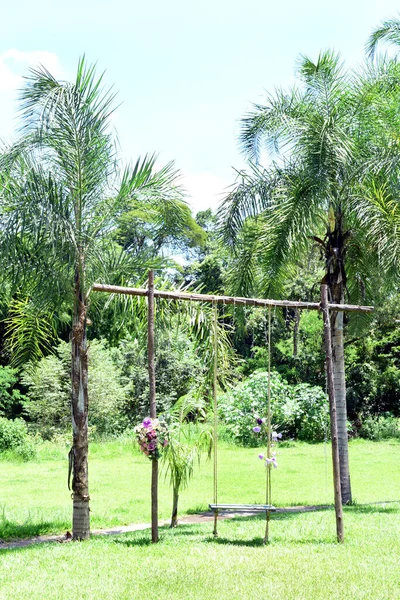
(215, 409)
(332, 407)
(153, 406)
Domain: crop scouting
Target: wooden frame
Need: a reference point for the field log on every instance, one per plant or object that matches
(323, 306)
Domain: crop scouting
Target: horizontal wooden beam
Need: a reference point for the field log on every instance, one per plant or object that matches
(115, 289)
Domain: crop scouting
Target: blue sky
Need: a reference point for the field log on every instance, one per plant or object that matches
(185, 71)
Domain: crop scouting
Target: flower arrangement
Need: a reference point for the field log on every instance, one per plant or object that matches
(152, 437)
(270, 461)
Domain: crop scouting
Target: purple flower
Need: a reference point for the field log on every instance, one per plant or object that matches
(275, 436)
(272, 461)
(146, 422)
(152, 446)
(259, 421)
(261, 456)
(257, 429)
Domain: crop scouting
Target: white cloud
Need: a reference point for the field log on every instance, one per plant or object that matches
(8, 79)
(14, 63)
(205, 190)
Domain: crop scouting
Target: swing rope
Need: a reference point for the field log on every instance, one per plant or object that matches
(215, 408)
(267, 508)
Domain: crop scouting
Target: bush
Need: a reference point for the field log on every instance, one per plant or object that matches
(49, 392)
(10, 397)
(177, 368)
(14, 437)
(118, 383)
(300, 411)
(380, 427)
(313, 424)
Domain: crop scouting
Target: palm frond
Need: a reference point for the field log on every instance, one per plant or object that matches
(31, 331)
(389, 31)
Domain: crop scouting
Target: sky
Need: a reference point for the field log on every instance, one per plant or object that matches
(185, 72)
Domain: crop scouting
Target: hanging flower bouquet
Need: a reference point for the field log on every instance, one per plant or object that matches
(269, 460)
(152, 437)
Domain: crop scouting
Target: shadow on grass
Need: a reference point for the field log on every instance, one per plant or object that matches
(281, 516)
(253, 543)
(196, 510)
(374, 507)
(17, 531)
(140, 541)
(166, 534)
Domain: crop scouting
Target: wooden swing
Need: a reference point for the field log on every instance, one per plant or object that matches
(325, 307)
(216, 508)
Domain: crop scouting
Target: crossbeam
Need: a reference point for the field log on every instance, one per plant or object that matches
(260, 302)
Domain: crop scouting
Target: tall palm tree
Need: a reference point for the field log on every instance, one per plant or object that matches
(332, 182)
(71, 190)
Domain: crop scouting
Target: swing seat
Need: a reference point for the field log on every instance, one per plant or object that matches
(215, 508)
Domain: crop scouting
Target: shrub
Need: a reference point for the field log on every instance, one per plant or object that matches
(380, 427)
(14, 437)
(313, 425)
(10, 398)
(300, 411)
(49, 392)
(177, 368)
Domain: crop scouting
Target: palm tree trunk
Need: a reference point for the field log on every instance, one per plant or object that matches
(174, 518)
(341, 407)
(336, 279)
(80, 482)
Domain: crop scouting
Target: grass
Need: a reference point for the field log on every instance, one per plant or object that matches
(301, 562)
(34, 498)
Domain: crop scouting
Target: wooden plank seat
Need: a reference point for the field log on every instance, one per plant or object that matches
(242, 507)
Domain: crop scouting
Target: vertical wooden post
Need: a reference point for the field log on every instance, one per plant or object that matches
(332, 407)
(215, 409)
(153, 405)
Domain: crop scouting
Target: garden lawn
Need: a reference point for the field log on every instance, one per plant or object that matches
(34, 498)
(301, 562)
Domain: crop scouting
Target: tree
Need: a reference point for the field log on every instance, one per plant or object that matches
(66, 175)
(186, 442)
(331, 184)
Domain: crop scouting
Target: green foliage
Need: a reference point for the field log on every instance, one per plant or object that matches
(380, 427)
(14, 437)
(148, 225)
(177, 369)
(31, 331)
(118, 383)
(304, 366)
(12, 433)
(388, 31)
(10, 397)
(373, 365)
(49, 391)
(48, 384)
(313, 415)
(206, 271)
(300, 411)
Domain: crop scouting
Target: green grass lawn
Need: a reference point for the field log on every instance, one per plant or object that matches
(34, 498)
(303, 560)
